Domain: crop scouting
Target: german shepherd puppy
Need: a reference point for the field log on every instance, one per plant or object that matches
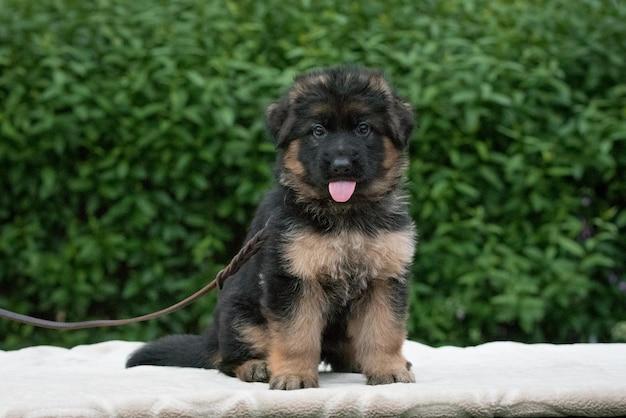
(330, 283)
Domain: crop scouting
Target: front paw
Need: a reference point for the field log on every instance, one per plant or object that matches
(293, 381)
(400, 375)
(253, 371)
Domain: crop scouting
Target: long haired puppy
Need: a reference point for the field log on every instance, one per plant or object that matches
(330, 283)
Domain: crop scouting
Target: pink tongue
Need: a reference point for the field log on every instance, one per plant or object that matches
(341, 191)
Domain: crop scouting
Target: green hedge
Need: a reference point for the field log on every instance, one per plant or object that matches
(133, 153)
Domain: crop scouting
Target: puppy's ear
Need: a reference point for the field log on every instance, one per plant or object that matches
(402, 120)
(279, 120)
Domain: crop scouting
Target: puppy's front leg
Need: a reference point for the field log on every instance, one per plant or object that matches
(295, 338)
(377, 330)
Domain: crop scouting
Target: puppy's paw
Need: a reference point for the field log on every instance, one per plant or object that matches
(253, 371)
(293, 381)
(401, 375)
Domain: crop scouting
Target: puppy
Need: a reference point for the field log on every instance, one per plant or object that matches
(330, 283)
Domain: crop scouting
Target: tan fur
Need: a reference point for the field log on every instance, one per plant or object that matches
(317, 79)
(252, 371)
(303, 85)
(378, 83)
(318, 110)
(348, 255)
(392, 154)
(293, 173)
(291, 161)
(255, 337)
(216, 359)
(357, 108)
(394, 165)
(295, 343)
(377, 335)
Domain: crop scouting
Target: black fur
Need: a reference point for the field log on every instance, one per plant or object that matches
(264, 288)
(197, 352)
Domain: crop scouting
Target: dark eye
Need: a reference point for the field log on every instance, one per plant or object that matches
(318, 130)
(363, 129)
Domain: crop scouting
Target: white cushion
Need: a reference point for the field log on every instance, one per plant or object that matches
(501, 378)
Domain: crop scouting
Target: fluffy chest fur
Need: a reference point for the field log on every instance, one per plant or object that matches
(351, 257)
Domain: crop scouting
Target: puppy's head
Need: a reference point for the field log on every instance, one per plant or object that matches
(341, 135)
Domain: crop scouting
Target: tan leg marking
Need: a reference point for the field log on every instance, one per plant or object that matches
(256, 337)
(295, 343)
(378, 334)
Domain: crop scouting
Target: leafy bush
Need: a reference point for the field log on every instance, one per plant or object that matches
(133, 153)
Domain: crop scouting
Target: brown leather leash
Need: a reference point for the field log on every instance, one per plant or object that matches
(248, 250)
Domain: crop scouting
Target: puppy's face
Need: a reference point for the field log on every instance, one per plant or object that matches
(342, 135)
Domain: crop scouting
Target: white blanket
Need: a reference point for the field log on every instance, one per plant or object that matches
(503, 379)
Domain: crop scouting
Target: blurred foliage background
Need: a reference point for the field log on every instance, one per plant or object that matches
(133, 152)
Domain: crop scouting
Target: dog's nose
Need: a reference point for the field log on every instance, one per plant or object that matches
(341, 166)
